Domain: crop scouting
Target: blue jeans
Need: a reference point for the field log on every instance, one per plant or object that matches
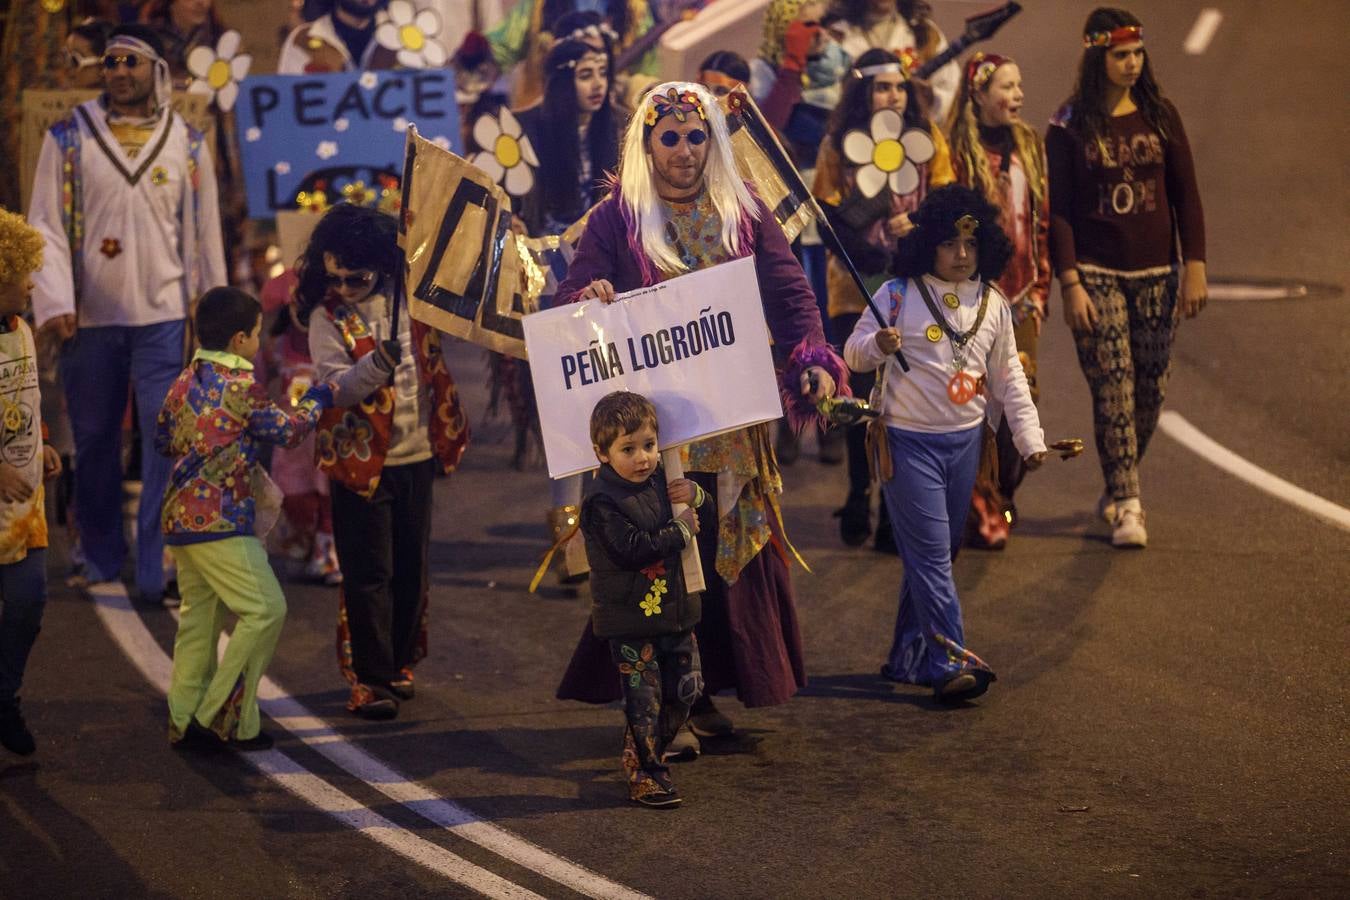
(97, 365)
(23, 595)
(928, 497)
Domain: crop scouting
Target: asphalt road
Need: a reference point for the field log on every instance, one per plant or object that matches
(1166, 723)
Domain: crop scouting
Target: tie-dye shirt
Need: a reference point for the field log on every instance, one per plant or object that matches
(214, 422)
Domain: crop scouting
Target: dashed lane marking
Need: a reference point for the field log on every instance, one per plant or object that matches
(1202, 32)
(136, 642)
(1175, 426)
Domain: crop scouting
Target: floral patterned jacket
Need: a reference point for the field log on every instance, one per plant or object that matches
(634, 546)
(213, 422)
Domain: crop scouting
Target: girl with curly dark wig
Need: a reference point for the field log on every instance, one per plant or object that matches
(1123, 196)
(957, 333)
(868, 229)
(395, 424)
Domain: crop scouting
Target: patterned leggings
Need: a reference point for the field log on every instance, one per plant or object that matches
(661, 680)
(1126, 360)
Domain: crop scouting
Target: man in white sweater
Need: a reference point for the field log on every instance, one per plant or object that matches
(125, 195)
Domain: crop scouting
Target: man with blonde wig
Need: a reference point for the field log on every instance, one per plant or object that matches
(679, 205)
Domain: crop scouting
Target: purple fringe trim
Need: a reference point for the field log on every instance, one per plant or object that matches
(801, 412)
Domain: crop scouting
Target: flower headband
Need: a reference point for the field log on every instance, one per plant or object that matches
(966, 225)
(672, 103)
(572, 63)
(1126, 34)
(982, 67)
(592, 31)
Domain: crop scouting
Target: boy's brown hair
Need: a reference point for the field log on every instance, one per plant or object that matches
(620, 413)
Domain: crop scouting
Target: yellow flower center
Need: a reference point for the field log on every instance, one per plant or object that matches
(411, 36)
(887, 155)
(218, 75)
(507, 150)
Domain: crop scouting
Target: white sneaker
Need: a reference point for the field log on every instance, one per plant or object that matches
(1129, 529)
(1106, 509)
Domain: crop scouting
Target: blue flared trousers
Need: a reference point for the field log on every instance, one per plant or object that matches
(928, 497)
(97, 366)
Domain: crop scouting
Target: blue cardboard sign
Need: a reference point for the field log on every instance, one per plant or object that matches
(331, 130)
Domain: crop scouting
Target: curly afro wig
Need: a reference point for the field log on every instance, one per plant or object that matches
(935, 222)
(20, 248)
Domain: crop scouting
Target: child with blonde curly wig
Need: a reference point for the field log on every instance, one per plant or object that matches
(26, 461)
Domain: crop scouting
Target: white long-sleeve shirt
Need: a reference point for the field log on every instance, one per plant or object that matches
(147, 250)
(917, 400)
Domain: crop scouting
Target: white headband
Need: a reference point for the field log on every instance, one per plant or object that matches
(133, 45)
(878, 69)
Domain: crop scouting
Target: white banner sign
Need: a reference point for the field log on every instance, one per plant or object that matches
(696, 346)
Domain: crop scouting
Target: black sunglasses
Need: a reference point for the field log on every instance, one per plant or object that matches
(351, 281)
(695, 137)
(129, 60)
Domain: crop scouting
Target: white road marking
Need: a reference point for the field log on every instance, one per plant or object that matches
(126, 627)
(1202, 32)
(1237, 291)
(1182, 431)
(140, 645)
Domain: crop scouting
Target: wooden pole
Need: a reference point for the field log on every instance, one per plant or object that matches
(693, 565)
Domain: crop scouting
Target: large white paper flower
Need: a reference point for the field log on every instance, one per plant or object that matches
(412, 35)
(507, 157)
(218, 72)
(886, 156)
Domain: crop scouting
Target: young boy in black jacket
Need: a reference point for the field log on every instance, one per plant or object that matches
(639, 602)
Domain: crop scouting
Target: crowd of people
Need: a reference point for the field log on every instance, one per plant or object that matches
(326, 406)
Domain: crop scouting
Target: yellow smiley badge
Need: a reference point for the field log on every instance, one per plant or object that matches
(951, 300)
(933, 333)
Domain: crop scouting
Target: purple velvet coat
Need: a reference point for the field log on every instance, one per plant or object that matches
(610, 249)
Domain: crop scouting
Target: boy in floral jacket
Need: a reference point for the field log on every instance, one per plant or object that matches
(639, 601)
(214, 421)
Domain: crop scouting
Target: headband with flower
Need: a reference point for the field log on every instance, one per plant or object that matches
(982, 67)
(672, 103)
(1126, 34)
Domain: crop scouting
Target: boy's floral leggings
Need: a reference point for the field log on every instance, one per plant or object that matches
(661, 680)
(1126, 359)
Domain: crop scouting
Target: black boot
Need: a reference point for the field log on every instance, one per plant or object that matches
(14, 733)
(855, 520)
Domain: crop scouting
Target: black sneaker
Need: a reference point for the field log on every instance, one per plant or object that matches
(199, 739)
(260, 741)
(14, 733)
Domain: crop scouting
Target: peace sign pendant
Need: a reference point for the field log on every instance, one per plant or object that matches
(962, 388)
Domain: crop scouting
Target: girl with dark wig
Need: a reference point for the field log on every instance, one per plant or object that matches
(1002, 158)
(395, 424)
(1123, 195)
(576, 137)
(869, 229)
(957, 333)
